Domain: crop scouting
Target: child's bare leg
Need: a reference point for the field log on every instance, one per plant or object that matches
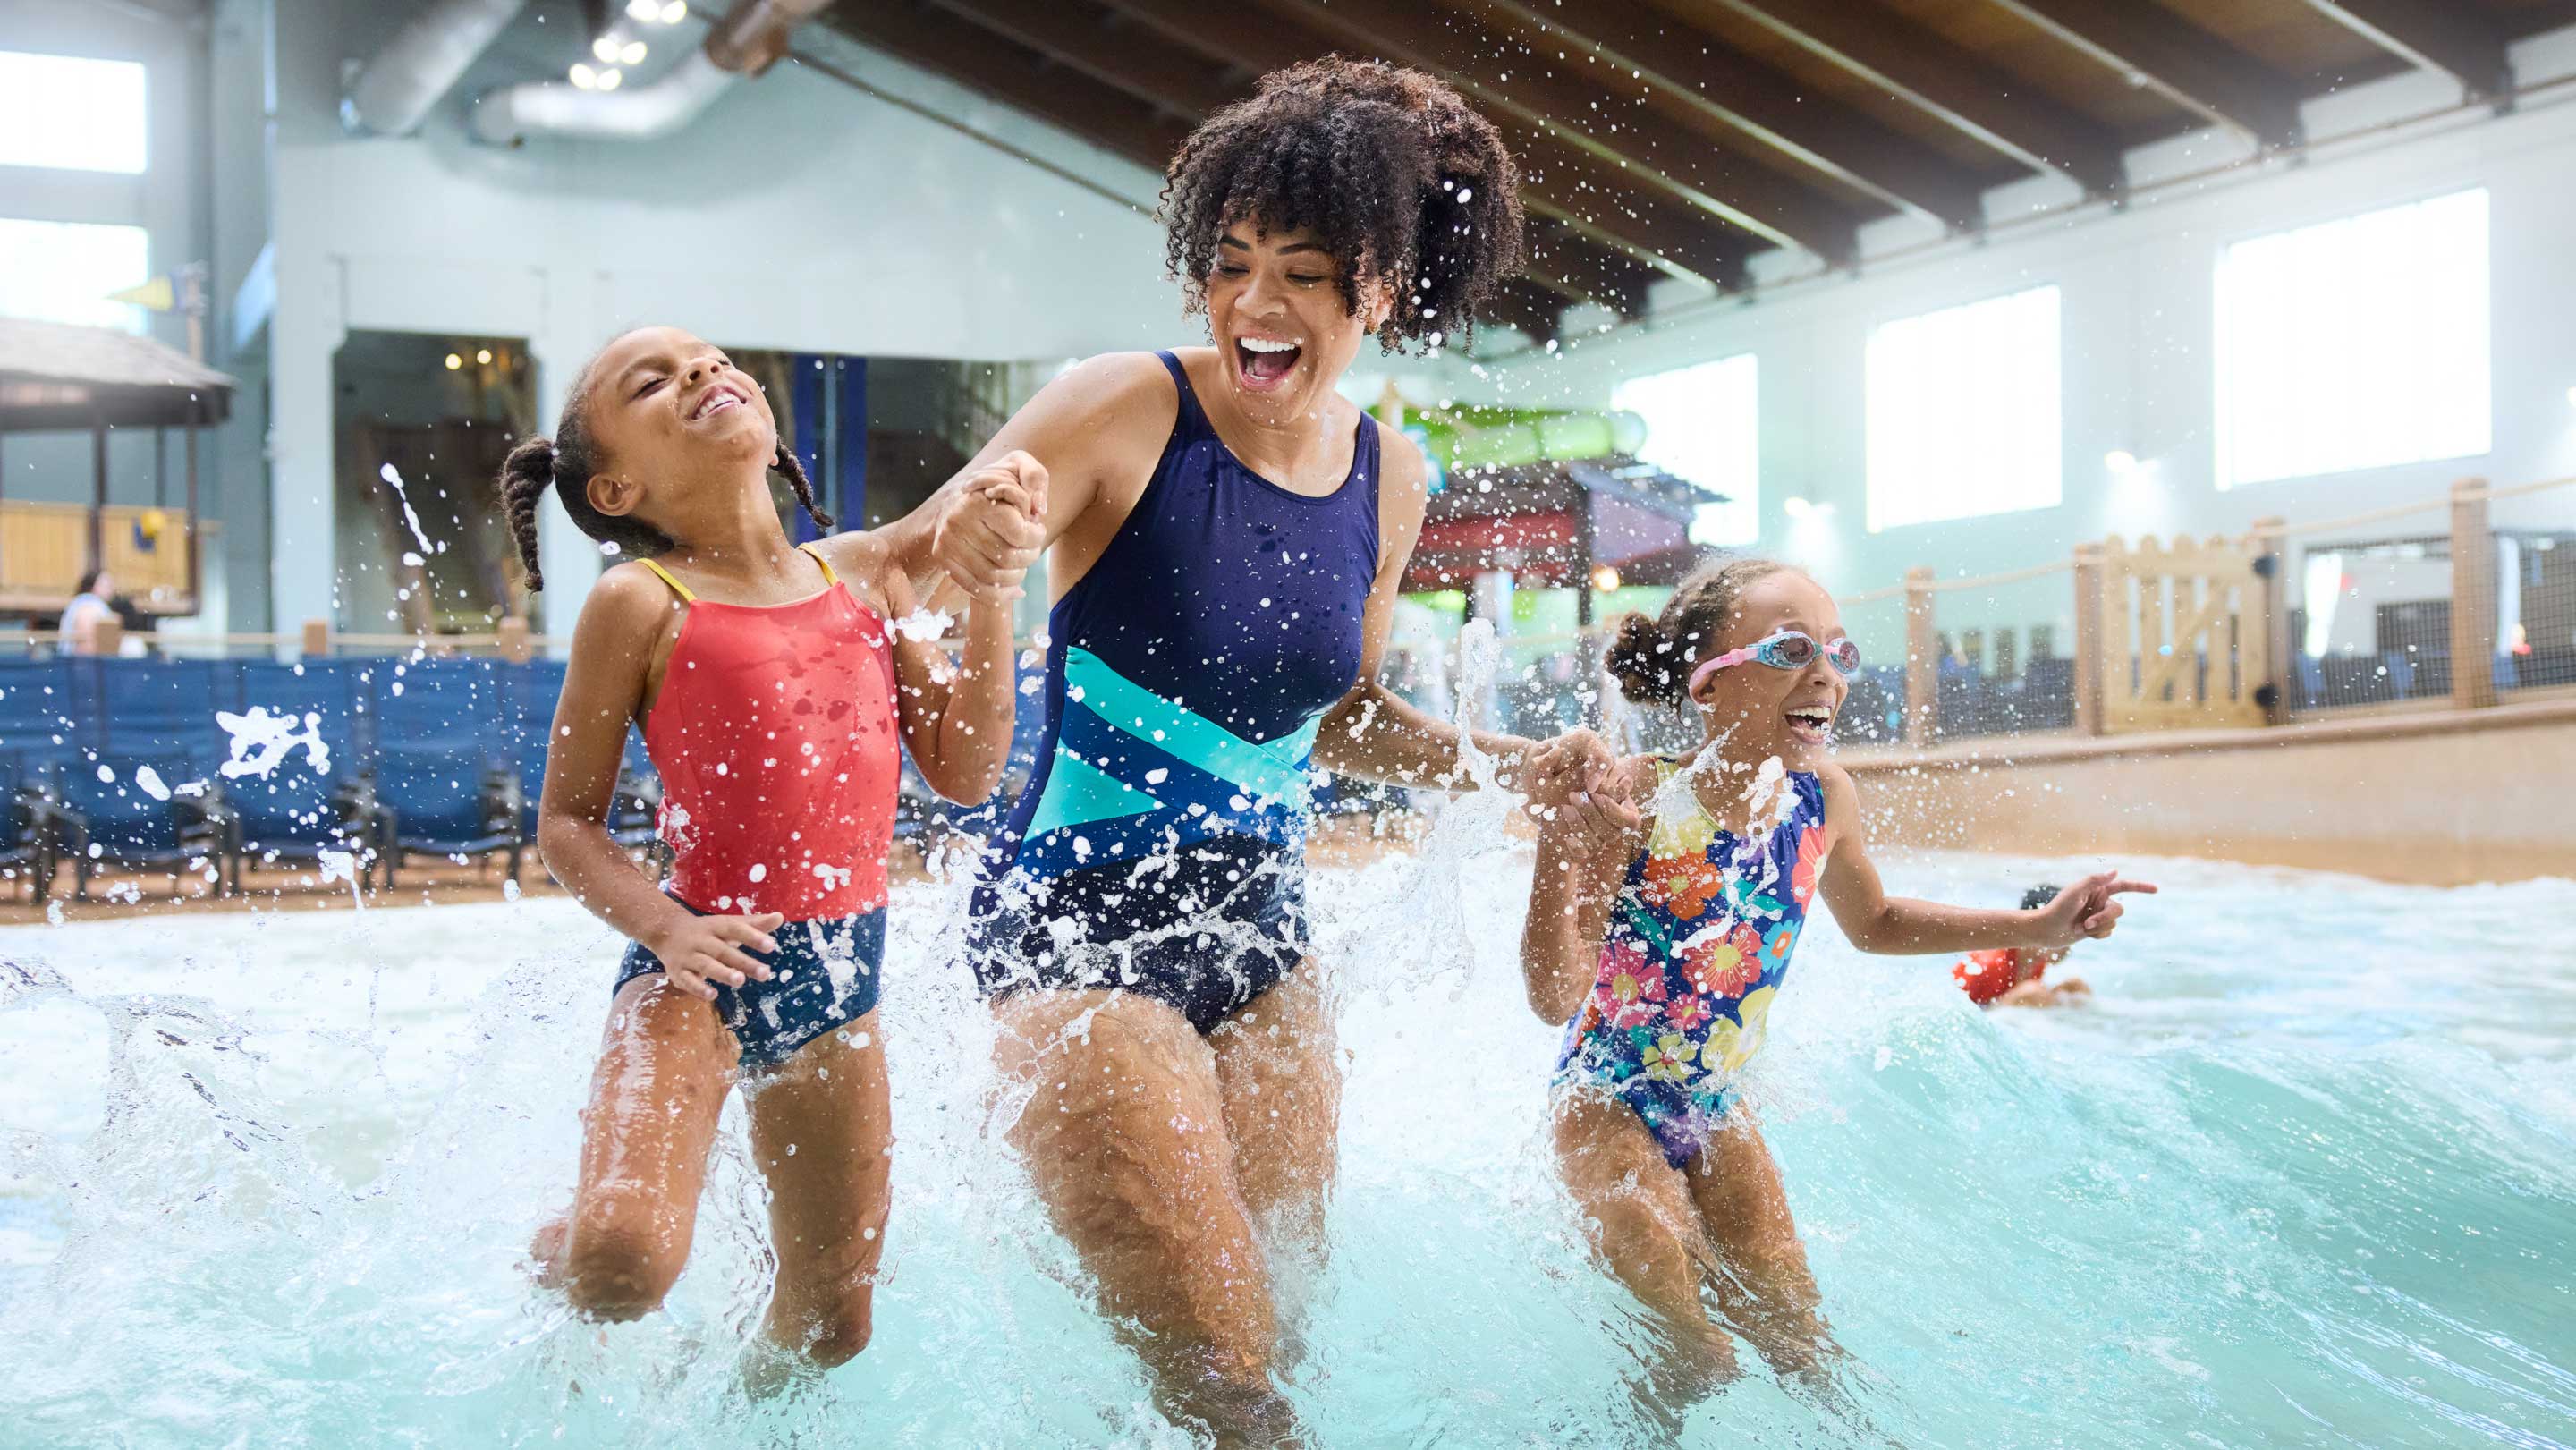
(665, 1064)
(1638, 1211)
(822, 1129)
(1764, 1288)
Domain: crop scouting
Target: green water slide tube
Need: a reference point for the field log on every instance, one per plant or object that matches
(1515, 437)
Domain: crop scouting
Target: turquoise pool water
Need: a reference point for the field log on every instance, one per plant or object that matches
(2305, 1175)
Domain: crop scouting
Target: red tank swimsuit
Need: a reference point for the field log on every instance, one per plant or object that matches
(775, 736)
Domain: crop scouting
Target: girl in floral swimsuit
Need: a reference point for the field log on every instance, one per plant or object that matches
(1666, 905)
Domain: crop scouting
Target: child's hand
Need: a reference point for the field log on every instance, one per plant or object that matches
(994, 527)
(2086, 909)
(1577, 796)
(702, 950)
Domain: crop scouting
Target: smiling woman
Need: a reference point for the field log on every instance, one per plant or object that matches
(1227, 536)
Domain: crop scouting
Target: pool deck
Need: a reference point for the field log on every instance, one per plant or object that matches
(2430, 796)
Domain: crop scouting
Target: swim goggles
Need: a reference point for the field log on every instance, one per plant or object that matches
(1790, 649)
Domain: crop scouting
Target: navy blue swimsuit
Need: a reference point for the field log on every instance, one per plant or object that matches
(1160, 844)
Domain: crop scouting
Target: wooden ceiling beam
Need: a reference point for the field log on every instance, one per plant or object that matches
(1103, 115)
(2183, 63)
(2435, 35)
(1161, 72)
(1609, 205)
(1565, 262)
(1538, 314)
(1948, 82)
(1736, 97)
(1176, 86)
(1617, 128)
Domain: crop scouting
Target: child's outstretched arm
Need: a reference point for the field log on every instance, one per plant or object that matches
(957, 717)
(1902, 926)
(612, 650)
(1588, 831)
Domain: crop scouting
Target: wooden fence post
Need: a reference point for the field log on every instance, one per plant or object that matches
(2271, 540)
(516, 645)
(2473, 598)
(317, 639)
(1922, 661)
(2088, 639)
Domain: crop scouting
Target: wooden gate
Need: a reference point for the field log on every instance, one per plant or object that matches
(2186, 636)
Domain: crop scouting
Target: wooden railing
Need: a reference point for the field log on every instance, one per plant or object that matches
(2195, 634)
(45, 549)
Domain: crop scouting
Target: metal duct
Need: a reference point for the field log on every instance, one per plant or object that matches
(751, 37)
(421, 63)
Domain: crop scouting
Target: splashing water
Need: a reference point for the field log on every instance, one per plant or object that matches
(2302, 1176)
(411, 519)
(260, 742)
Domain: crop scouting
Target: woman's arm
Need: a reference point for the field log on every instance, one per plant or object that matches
(1374, 733)
(1902, 926)
(1584, 847)
(1096, 430)
(612, 651)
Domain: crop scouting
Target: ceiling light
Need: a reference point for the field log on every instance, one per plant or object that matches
(2121, 462)
(584, 77)
(675, 12)
(644, 10)
(633, 54)
(454, 362)
(609, 78)
(1798, 508)
(605, 48)
(483, 355)
(1605, 578)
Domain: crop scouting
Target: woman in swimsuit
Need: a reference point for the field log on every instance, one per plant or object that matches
(1227, 536)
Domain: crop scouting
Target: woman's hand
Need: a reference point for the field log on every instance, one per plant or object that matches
(1578, 755)
(698, 951)
(2086, 909)
(1577, 794)
(992, 528)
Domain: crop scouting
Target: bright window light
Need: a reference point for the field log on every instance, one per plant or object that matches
(2355, 344)
(63, 271)
(1963, 412)
(71, 114)
(1703, 425)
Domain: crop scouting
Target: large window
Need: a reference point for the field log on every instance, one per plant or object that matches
(1703, 424)
(72, 114)
(1963, 412)
(63, 271)
(2355, 344)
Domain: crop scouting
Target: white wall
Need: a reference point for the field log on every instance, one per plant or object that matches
(2137, 321)
(796, 213)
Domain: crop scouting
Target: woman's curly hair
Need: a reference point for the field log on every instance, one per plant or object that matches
(1396, 176)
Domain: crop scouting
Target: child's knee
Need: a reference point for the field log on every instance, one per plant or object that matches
(621, 1266)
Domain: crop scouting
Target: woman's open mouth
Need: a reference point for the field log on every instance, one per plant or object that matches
(1264, 361)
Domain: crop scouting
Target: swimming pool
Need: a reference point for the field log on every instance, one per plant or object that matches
(2306, 1175)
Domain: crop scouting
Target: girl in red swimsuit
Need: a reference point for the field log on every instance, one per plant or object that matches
(774, 699)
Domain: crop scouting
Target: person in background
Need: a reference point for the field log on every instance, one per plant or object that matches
(2010, 976)
(89, 608)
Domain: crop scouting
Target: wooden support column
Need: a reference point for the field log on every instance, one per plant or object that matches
(317, 639)
(196, 554)
(2088, 639)
(517, 646)
(2473, 597)
(98, 495)
(1922, 661)
(2271, 541)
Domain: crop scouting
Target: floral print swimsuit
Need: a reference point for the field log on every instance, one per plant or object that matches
(1699, 941)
